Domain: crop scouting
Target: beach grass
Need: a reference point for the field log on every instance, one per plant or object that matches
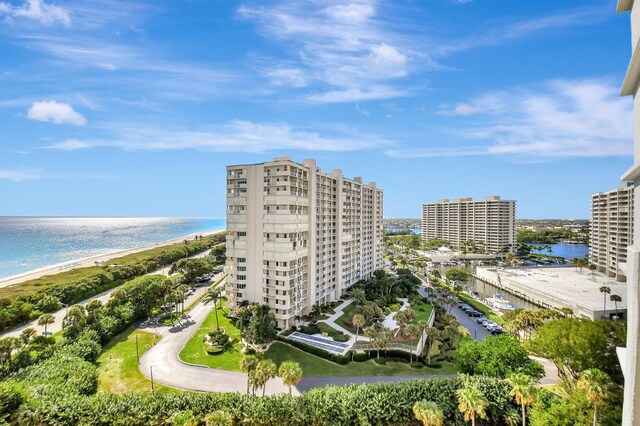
(118, 370)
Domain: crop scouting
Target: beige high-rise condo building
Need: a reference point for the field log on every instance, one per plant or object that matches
(298, 236)
(490, 223)
(630, 357)
(611, 230)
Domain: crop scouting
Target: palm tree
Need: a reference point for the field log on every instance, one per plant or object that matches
(358, 321)
(291, 373)
(581, 263)
(511, 417)
(471, 402)
(428, 413)
(46, 319)
(414, 331)
(605, 290)
(358, 296)
(213, 294)
(248, 364)
(596, 384)
(265, 370)
(523, 390)
(615, 299)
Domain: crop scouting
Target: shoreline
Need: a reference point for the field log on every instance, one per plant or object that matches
(90, 261)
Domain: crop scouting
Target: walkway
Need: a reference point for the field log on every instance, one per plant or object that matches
(102, 297)
(169, 370)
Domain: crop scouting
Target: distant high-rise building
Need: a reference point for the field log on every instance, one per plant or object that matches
(298, 236)
(490, 223)
(611, 230)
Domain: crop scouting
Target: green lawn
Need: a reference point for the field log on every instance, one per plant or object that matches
(195, 351)
(118, 367)
(313, 366)
(342, 319)
(422, 310)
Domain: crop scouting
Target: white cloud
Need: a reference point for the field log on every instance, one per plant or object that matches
(19, 176)
(342, 46)
(38, 10)
(236, 136)
(55, 112)
(356, 94)
(293, 77)
(559, 119)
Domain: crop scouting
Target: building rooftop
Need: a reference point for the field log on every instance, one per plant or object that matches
(568, 285)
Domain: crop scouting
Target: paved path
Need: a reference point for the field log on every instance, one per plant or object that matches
(102, 297)
(169, 370)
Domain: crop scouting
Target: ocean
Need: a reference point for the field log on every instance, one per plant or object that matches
(29, 243)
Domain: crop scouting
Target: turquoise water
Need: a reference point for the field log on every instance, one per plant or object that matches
(568, 251)
(28, 243)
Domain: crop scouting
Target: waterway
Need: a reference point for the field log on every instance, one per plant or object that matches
(568, 251)
(486, 290)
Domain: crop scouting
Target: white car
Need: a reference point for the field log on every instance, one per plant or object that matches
(489, 324)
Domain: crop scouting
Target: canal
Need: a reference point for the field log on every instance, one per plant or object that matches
(486, 290)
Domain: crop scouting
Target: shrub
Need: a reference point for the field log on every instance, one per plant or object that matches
(380, 361)
(310, 329)
(11, 396)
(417, 364)
(361, 356)
(87, 350)
(433, 364)
(219, 418)
(215, 349)
(341, 337)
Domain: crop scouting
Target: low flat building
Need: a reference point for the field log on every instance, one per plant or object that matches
(560, 287)
(611, 230)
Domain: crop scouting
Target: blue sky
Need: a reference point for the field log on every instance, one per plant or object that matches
(134, 108)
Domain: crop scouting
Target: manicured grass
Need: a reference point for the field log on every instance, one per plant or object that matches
(481, 307)
(342, 319)
(118, 366)
(313, 366)
(422, 310)
(195, 351)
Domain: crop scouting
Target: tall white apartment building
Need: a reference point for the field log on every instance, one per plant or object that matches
(611, 230)
(630, 357)
(489, 222)
(298, 236)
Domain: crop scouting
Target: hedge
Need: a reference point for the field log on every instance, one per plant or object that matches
(372, 404)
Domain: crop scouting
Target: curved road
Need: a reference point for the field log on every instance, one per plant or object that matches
(169, 370)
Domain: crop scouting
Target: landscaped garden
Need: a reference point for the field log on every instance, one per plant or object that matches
(314, 366)
(195, 351)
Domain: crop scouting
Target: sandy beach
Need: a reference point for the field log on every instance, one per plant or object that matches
(91, 261)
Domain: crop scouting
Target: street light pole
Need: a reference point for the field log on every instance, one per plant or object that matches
(151, 370)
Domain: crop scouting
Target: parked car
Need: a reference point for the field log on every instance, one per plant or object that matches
(481, 320)
(474, 314)
(464, 307)
(496, 330)
(489, 323)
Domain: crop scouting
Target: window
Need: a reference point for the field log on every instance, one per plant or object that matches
(242, 268)
(242, 277)
(242, 260)
(242, 234)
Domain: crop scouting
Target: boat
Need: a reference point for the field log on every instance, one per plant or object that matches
(500, 303)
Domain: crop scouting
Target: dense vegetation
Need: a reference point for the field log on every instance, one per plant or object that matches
(549, 236)
(351, 405)
(26, 301)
